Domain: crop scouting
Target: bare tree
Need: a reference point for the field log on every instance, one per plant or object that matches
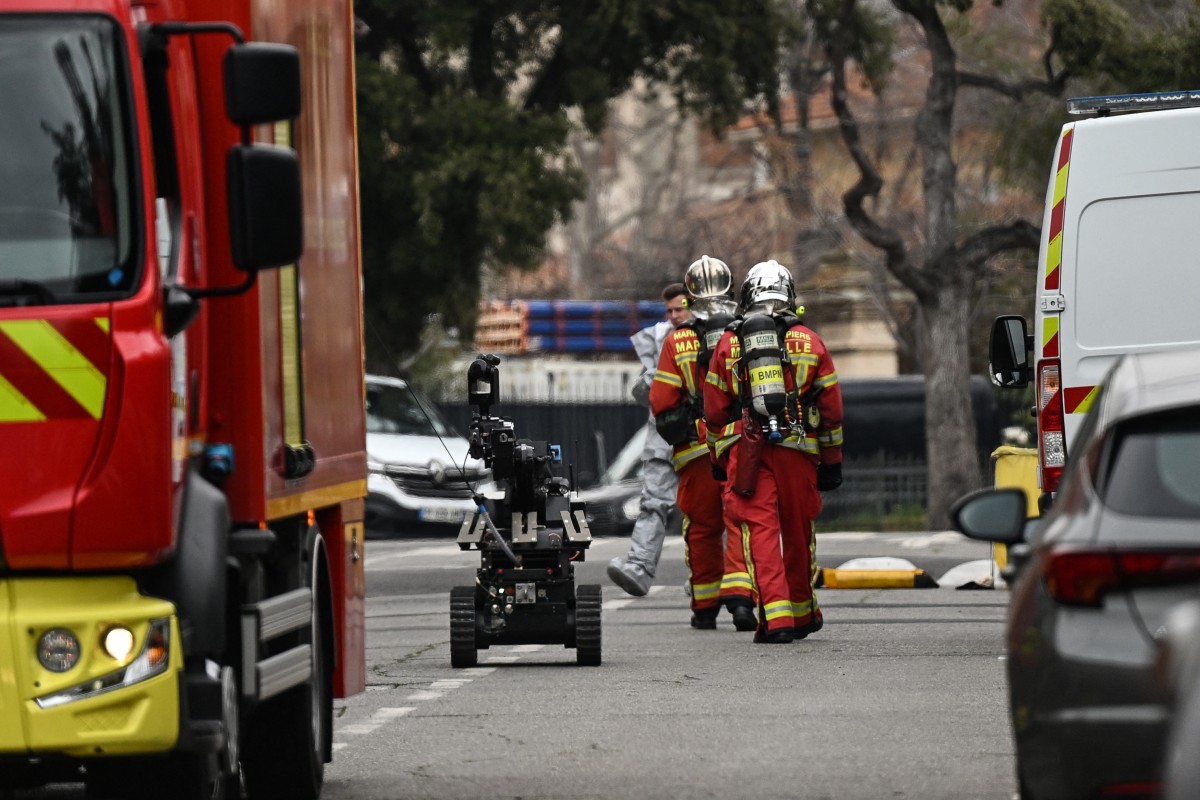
(944, 265)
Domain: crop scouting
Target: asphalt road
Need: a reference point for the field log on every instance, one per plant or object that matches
(900, 696)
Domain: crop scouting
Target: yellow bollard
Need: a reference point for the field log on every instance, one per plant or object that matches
(1016, 467)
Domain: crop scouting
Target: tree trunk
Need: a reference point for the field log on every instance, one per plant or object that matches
(950, 429)
(946, 301)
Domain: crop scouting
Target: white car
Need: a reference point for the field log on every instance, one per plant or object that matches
(420, 476)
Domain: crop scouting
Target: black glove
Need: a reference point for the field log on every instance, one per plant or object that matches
(719, 472)
(829, 477)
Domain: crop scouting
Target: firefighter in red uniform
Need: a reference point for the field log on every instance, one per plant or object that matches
(775, 373)
(718, 574)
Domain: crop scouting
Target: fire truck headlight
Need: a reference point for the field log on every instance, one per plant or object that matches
(58, 650)
(118, 642)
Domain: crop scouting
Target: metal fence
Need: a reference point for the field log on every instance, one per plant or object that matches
(878, 493)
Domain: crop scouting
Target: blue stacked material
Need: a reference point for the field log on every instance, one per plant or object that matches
(583, 326)
(577, 309)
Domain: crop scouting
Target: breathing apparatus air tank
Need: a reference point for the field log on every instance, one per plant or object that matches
(709, 330)
(714, 326)
(717, 318)
(764, 371)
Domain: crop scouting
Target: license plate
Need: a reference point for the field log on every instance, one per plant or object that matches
(437, 514)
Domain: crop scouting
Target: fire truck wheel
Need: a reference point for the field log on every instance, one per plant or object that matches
(587, 625)
(462, 627)
(283, 750)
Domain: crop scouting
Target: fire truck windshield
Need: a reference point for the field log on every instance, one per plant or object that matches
(67, 232)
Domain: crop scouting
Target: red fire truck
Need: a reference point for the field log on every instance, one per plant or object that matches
(182, 465)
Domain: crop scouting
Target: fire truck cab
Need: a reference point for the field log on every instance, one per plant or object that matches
(1117, 264)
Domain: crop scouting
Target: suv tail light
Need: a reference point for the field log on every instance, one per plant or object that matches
(1052, 433)
(1083, 577)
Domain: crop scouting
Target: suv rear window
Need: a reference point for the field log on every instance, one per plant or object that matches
(1155, 467)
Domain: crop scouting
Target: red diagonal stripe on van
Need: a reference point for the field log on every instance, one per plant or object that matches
(88, 338)
(1073, 396)
(1051, 348)
(1064, 152)
(1056, 225)
(1053, 270)
(36, 385)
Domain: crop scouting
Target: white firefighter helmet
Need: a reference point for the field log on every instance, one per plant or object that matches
(769, 286)
(708, 277)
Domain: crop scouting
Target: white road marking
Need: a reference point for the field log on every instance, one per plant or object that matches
(380, 717)
(392, 713)
(621, 602)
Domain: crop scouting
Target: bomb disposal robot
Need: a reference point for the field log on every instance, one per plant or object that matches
(524, 591)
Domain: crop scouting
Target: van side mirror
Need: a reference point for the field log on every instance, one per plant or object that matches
(262, 83)
(1008, 352)
(266, 218)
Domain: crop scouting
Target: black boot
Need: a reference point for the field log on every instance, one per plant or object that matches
(743, 618)
(705, 619)
(812, 626)
(779, 636)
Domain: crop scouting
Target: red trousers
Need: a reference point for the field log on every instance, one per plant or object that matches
(718, 571)
(777, 530)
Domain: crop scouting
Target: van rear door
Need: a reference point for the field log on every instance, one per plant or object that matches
(1130, 260)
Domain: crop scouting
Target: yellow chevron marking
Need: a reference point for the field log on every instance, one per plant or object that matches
(1060, 183)
(1054, 253)
(1049, 330)
(14, 407)
(61, 361)
(102, 323)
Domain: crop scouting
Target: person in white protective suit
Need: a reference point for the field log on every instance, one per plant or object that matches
(660, 481)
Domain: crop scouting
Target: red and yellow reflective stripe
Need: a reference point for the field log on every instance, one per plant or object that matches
(1078, 399)
(1054, 247)
(53, 369)
(1050, 336)
(1054, 243)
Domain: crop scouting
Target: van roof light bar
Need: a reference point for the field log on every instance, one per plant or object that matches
(1125, 103)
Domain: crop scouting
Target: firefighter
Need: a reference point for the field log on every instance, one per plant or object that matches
(777, 374)
(660, 482)
(718, 575)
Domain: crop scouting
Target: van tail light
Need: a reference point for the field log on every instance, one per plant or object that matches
(1083, 577)
(1052, 432)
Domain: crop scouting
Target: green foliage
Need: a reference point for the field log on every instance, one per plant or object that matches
(866, 31)
(1131, 43)
(465, 107)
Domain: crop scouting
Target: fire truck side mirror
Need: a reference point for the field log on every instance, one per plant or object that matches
(262, 83)
(266, 221)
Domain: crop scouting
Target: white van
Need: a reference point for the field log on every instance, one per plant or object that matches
(1119, 262)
